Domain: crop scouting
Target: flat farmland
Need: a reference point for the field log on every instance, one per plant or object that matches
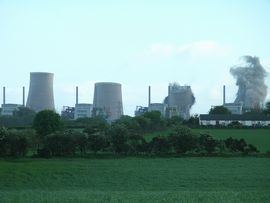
(135, 179)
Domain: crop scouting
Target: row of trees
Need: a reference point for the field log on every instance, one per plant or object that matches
(118, 140)
(16, 142)
(121, 137)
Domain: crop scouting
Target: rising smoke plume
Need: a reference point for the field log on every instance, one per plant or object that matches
(250, 79)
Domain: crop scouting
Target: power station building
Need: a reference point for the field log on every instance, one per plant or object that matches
(7, 109)
(107, 102)
(40, 96)
(179, 101)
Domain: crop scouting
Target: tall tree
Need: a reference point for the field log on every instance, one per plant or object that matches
(47, 122)
(267, 109)
(219, 110)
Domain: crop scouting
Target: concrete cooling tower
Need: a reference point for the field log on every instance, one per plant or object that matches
(182, 97)
(109, 95)
(40, 96)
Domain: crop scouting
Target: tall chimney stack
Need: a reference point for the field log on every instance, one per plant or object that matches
(4, 95)
(76, 94)
(169, 95)
(23, 97)
(149, 96)
(224, 95)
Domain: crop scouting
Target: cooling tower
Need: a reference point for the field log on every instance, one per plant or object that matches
(109, 94)
(40, 94)
(182, 97)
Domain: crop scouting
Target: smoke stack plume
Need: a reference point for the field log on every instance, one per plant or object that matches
(250, 79)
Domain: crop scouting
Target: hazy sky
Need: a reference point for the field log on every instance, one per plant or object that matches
(135, 43)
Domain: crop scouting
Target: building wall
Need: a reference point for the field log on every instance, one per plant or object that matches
(161, 107)
(83, 110)
(234, 108)
(226, 122)
(7, 109)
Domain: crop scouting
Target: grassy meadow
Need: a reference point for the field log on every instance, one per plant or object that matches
(135, 179)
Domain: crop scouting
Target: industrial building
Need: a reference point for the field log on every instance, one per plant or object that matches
(107, 102)
(161, 107)
(225, 119)
(179, 101)
(7, 109)
(83, 110)
(40, 96)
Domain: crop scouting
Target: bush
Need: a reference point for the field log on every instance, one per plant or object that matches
(119, 135)
(14, 142)
(47, 122)
(209, 144)
(159, 145)
(182, 139)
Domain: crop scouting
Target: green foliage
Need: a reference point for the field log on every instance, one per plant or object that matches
(251, 150)
(209, 144)
(143, 122)
(89, 130)
(160, 145)
(22, 116)
(266, 111)
(193, 120)
(126, 117)
(219, 110)
(91, 121)
(119, 135)
(60, 144)
(81, 140)
(235, 146)
(156, 122)
(182, 139)
(176, 120)
(137, 144)
(235, 123)
(98, 142)
(15, 142)
(47, 122)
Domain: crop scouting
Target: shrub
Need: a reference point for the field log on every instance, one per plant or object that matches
(47, 122)
(209, 144)
(182, 139)
(159, 145)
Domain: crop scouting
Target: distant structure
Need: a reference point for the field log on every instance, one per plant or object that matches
(140, 110)
(161, 107)
(83, 110)
(68, 112)
(181, 97)
(108, 95)
(40, 96)
(8, 109)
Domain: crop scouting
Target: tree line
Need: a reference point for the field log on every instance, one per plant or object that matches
(116, 139)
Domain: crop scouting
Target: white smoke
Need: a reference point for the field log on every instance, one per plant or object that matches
(250, 78)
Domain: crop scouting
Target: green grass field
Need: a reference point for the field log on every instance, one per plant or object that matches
(134, 179)
(260, 138)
